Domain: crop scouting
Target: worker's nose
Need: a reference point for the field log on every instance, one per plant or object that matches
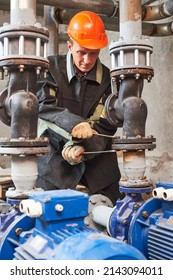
(87, 59)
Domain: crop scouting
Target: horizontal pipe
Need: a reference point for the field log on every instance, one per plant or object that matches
(163, 29)
(111, 23)
(63, 16)
(104, 7)
(157, 12)
(150, 13)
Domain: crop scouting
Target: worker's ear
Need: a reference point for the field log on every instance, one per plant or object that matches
(69, 45)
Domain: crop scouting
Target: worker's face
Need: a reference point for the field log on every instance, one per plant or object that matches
(83, 58)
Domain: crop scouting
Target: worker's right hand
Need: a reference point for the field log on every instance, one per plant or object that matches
(73, 154)
(82, 131)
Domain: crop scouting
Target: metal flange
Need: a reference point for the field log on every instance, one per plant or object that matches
(22, 146)
(134, 143)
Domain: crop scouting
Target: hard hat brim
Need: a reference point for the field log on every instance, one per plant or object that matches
(92, 44)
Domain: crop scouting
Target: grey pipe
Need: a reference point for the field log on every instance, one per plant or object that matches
(104, 7)
(157, 12)
(63, 16)
(52, 25)
(168, 7)
(23, 11)
(163, 29)
(130, 109)
(110, 8)
(130, 19)
(24, 115)
(111, 22)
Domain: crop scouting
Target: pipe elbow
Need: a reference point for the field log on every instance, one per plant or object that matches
(23, 109)
(135, 114)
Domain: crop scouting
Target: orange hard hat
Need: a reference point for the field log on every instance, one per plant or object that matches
(87, 29)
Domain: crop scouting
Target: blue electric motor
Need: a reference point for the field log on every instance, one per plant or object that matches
(145, 224)
(151, 230)
(50, 226)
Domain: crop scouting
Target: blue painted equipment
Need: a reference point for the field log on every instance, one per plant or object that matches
(145, 224)
(52, 227)
(120, 219)
(153, 224)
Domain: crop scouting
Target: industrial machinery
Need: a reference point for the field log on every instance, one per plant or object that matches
(146, 225)
(52, 227)
(134, 218)
(39, 225)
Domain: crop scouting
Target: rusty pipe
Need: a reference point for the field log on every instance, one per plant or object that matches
(157, 12)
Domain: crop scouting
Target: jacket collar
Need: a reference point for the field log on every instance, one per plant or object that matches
(94, 74)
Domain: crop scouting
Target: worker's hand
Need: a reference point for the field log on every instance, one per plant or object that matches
(73, 154)
(82, 131)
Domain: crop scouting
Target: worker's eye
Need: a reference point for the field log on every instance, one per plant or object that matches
(81, 53)
(93, 53)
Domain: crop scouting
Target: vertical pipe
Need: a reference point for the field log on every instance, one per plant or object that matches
(52, 26)
(130, 19)
(22, 11)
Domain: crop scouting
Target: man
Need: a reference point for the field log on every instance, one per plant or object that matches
(70, 101)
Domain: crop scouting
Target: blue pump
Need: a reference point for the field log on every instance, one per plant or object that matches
(52, 227)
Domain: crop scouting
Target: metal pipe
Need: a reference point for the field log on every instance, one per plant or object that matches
(108, 8)
(24, 115)
(52, 25)
(157, 12)
(23, 11)
(24, 57)
(63, 16)
(163, 29)
(130, 19)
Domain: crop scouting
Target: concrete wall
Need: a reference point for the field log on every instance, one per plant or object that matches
(159, 98)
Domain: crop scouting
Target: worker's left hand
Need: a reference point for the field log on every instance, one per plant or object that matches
(73, 154)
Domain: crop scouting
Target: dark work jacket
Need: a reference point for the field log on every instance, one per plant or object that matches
(60, 105)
